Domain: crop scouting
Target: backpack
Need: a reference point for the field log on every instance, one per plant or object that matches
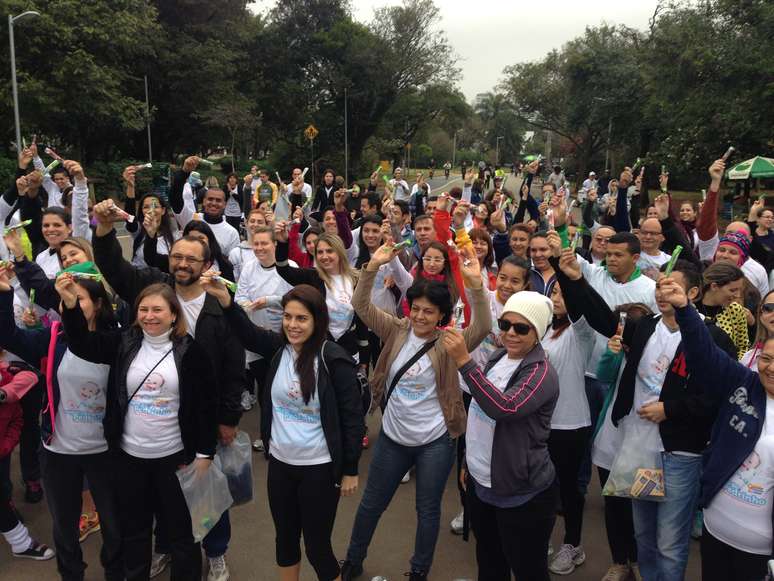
(363, 385)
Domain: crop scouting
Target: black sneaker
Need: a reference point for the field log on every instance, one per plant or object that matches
(350, 570)
(33, 491)
(414, 575)
(36, 552)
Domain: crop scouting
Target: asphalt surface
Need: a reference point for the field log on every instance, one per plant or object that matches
(251, 552)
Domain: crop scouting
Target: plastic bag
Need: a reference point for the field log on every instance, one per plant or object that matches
(638, 468)
(236, 463)
(207, 497)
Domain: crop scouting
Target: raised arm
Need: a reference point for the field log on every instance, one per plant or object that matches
(707, 222)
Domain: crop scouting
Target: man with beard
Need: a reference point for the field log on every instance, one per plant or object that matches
(188, 259)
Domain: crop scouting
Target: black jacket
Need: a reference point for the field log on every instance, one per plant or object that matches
(212, 330)
(338, 392)
(689, 409)
(197, 417)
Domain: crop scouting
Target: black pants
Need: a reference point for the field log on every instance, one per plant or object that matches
(145, 485)
(303, 499)
(29, 441)
(619, 524)
(256, 377)
(512, 539)
(566, 448)
(375, 345)
(721, 562)
(63, 482)
(8, 519)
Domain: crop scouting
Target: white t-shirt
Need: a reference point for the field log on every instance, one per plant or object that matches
(49, 262)
(338, 298)
(152, 427)
(413, 416)
(649, 265)
(491, 342)
(480, 431)
(82, 388)
(402, 191)
(161, 248)
(656, 358)
(191, 310)
(240, 257)
(233, 207)
(226, 235)
(568, 354)
(740, 514)
(750, 359)
(297, 436)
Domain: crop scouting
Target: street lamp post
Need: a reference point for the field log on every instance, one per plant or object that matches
(454, 148)
(497, 152)
(607, 149)
(11, 20)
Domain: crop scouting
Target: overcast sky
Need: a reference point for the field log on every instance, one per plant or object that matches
(489, 35)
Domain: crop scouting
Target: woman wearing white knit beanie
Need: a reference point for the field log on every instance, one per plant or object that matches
(511, 491)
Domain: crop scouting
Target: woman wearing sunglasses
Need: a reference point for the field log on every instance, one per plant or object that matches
(765, 330)
(416, 383)
(510, 484)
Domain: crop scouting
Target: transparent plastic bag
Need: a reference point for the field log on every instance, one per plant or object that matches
(638, 468)
(207, 497)
(236, 463)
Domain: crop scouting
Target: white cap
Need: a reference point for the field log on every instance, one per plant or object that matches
(591, 173)
(536, 308)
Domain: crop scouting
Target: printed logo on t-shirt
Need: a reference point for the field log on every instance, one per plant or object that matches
(654, 379)
(293, 409)
(746, 485)
(151, 399)
(410, 386)
(89, 407)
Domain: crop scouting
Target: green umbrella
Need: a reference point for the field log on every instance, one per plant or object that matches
(757, 167)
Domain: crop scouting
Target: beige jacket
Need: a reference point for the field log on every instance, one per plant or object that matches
(394, 331)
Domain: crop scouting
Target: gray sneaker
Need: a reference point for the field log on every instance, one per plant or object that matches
(218, 569)
(247, 403)
(159, 562)
(566, 559)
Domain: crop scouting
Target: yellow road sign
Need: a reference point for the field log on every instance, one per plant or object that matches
(311, 132)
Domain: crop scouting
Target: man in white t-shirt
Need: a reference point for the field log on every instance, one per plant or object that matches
(652, 257)
(591, 182)
(399, 186)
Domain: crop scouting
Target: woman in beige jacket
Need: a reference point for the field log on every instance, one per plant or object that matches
(417, 385)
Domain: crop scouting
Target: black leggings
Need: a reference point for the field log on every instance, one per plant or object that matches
(566, 448)
(619, 524)
(304, 499)
(512, 539)
(721, 562)
(8, 519)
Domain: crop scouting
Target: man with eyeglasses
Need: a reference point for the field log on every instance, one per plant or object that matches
(652, 257)
(189, 257)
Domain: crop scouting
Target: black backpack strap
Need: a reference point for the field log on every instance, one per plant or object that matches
(417, 356)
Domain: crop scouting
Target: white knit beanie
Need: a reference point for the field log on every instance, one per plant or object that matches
(536, 308)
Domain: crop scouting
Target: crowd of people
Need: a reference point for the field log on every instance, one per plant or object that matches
(513, 340)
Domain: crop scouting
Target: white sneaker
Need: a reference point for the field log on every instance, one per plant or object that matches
(567, 559)
(159, 562)
(457, 523)
(246, 403)
(258, 445)
(406, 478)
(218, 569)
(617, 572)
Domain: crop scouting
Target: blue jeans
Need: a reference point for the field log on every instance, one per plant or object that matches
(390, 463)
(663, 529)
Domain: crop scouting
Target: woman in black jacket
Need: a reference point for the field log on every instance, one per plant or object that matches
(312, 425)
(160, 414)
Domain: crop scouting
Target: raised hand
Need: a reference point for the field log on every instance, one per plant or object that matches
(151, 224)
(387, 236)
(672, 292)
(663, 181)
(454, 344)
(248, 179)
(22, 185)
(592, 195)
(74, 169)
(25, 157)
(129, 174)
(554, 243)
(215, 287)
(281, 231)
(190, 163)
(470, 268)
(383, 255)
(661, 203)
(65, 286)
(13, 243)
(6, 273)
(568, 264)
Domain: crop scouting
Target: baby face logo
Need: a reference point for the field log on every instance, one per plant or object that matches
(746, 486)
(88, 406)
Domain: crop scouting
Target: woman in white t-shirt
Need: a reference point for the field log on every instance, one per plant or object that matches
(311, 424)
(160, 414)
(73, 409)
(335, 278)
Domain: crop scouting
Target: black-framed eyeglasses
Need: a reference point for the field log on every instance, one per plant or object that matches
(518, 328)
(188, 259)
(767, 308)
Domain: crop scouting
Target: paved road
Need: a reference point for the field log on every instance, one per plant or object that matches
(251, 555)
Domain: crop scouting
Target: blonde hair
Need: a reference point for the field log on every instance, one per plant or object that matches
(179, 326)
(345, 268)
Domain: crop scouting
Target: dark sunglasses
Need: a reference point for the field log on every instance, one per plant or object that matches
(519, 328)
(767, 308)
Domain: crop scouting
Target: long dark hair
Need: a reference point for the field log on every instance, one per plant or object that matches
(103, 306)
(447, 273)
(216, 254)
(313, 301)
(483, 235)
(166, 227)
(365, 254)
